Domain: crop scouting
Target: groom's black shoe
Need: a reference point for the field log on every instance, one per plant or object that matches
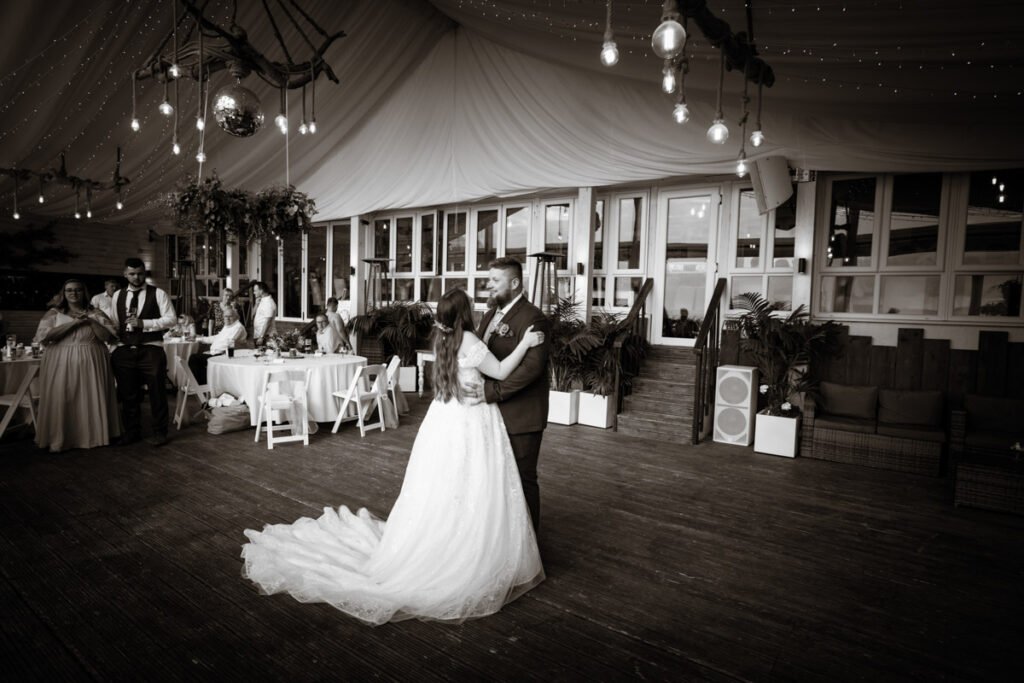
(127, 439)
(157, 440)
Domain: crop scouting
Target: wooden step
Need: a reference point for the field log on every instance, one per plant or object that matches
(671, 352)
(662, 367)
(655, 385)
(656, 429)
(656, 404)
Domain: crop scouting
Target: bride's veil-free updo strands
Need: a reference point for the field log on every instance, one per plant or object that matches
(454, 316)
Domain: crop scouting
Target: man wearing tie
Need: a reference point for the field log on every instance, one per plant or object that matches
(141, 312)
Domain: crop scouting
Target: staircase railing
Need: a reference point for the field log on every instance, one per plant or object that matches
(635, 322)
(705, 352)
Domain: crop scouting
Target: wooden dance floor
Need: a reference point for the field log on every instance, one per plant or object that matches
(664, 562)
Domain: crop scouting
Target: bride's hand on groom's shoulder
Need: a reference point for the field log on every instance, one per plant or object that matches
(533, 337)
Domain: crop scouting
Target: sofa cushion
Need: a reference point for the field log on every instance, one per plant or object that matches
(993, 414)
(912, 431)
(921, 408)
(845, 424)
(991, 441)
(845, 400)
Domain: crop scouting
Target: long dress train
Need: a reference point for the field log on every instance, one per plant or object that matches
(458, 543)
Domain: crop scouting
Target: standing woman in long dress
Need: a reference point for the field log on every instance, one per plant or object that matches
(77, 397)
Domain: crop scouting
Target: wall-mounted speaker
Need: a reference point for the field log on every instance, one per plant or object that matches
(735, 404)
(772, 184)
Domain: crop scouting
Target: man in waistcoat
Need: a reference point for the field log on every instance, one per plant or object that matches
(141, 312)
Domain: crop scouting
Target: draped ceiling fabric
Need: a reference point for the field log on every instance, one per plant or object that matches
(459, 100)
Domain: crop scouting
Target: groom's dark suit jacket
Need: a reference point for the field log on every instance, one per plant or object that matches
(522, 397)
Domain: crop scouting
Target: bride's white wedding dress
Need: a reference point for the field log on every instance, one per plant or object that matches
(458, 543)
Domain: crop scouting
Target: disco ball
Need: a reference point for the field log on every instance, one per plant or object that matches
(237, 110)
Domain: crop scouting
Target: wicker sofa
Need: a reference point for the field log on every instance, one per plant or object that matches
(983, 441)
(886, 428)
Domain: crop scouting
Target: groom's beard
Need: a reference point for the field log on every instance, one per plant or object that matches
(497, 301)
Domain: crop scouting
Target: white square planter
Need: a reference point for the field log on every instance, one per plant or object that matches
(776, 435)
(563, 407)
(596, 410)
(407, 378)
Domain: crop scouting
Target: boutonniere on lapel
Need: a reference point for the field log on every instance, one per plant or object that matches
(503, 330)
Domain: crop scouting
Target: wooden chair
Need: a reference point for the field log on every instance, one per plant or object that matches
(365, 393)
(188, 385)
(392, 387)
(22, 398)
(284, 390)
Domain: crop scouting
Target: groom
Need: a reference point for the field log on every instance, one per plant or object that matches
(522, 397)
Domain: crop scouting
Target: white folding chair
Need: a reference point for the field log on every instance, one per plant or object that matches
(393, 387)
(188, 385)
(22, 398)
(284, 390)
(365, 393)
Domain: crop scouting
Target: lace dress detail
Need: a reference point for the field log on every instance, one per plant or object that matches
(458, 543)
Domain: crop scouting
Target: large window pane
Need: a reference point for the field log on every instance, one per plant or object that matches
(599, 235)
(403, 244)
(784, 238)
(996, 294)
(626, 289)
(268, 268)
(686, 254)
(846, 294)
(404, 288)
(914, 220)
(456, 238)
(748, 232)
(316, 271)
(428, 243)
(480, 293)
(486, 238)
(517, 228)
(341, 261)
(909, 295)
(852, 222)
(598, 298)
(994, 218)
(556, 233)
(780, 291)
(289, 302)
(630, 211)
(430, 289)
(451, 283)
(382, 238)
(744, 284)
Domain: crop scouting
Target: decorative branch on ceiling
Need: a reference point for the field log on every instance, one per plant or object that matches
(47, 177)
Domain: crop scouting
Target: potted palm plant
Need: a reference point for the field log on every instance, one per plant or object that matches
(571, 339)
(782, 347)
(396, 329)
(606, 367)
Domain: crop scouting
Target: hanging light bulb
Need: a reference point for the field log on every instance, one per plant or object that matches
(303, 128)
(312, 127)
(669, 38)
(681, 113)
(176, 148)
(174, 71)
(718, 132)
(668, 78)
(1002, 198)
(609, 50)
(88, 202)
(994, 181)
(120, 204)
(200, 123)
(165, 107)
(78, 198)
(757, 138)
(135, 125)
(281, 121)
(741, 165)
(16, 215)
(1002, 187)
(201, 157)
(41, 199)
(135, 119)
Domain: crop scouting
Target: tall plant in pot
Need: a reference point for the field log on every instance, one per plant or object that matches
(782, 347)
(396, 329)
(571, 339)
(607, 367)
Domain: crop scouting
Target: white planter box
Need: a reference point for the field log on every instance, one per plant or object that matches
(407, 378)
(597, 411)
(563, 407)
(776, 435)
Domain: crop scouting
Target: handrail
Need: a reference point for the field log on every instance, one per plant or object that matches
(706, 351)
(635, 322)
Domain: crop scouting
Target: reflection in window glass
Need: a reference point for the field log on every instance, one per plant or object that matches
(430, 289)
(456, 236)
(451, 283)
(428, 237)
(289, 300)
(403, 244)
(382, 238)
(626, 289)
(517, 227)
(914, 220)
(909, 295)
(486, 238)
(991, 294)
(994, 218)
(686, 252)
(744, 284)
(480, 293)
(341, 262)
(598, 297)
(316, 271)
(629, 233)
(599, 236)
(748, 232)
(847, 294)
(556, 233)
(784, 237)
(404, 288)
(780, 291)
(851, 222)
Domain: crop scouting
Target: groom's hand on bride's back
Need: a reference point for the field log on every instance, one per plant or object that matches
(472, 392)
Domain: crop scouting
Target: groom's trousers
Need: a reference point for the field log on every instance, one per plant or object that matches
(526, 448)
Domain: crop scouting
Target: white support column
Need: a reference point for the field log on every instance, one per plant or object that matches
(357, 306)
(231, 262)
(582, 255)
(803, 242)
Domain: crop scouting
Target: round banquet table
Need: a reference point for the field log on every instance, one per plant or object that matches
(243, 378)
(13, 371)
(178, 348)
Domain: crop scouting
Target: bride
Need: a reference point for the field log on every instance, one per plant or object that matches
(458, 544)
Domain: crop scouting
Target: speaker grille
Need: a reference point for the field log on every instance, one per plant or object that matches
(731, 422)
(734, 390)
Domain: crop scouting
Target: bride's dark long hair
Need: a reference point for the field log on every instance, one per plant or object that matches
(454, 316)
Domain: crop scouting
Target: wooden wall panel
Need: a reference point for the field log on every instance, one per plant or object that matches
(962, 376)
(883, 366)
(858, 361)
(1015, 370)
(992, 352)
(909, 352)
(935, 364)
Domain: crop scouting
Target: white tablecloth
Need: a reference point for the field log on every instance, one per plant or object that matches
(243, 378)
(12, 372)
(178, 349)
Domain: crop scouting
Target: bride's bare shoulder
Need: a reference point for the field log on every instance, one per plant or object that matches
(469, 340)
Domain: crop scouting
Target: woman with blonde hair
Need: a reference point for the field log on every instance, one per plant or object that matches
(77, 398)
(458, 543)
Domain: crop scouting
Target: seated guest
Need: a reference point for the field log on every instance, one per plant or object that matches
(77, 400)
(336, 320)
(231, 334)
(105, 299)
(185, 327)
(327, 338)
(227, 298)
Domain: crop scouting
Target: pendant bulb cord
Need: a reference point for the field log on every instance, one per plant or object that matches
(721, 83)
